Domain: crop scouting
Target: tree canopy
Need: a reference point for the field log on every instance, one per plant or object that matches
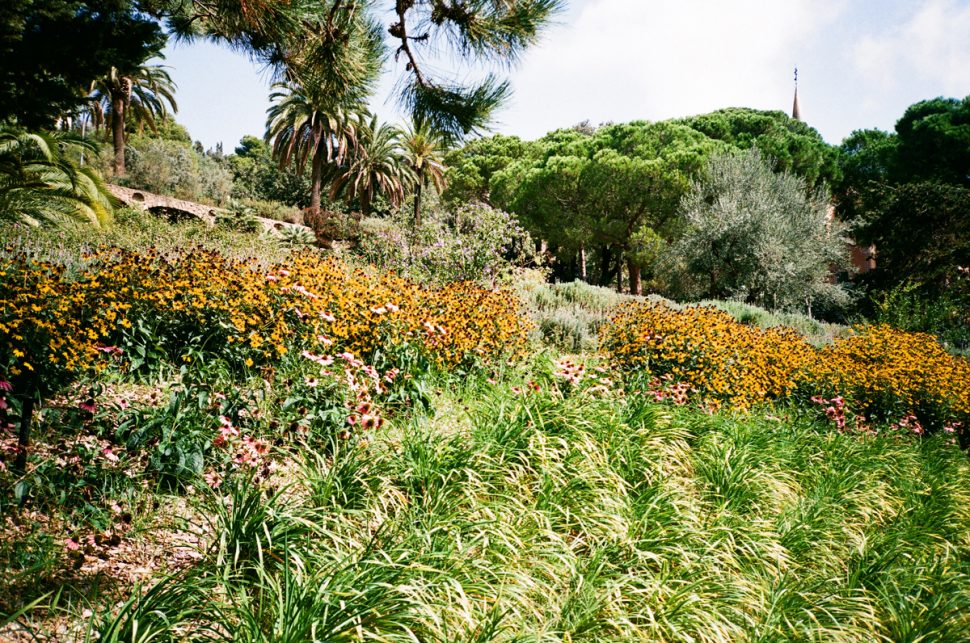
(301, 38)
(51, 50)
(759, 235)
(607, 190)
(908, 192)
(790, 143)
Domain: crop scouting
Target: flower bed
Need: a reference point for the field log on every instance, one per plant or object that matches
(882, 374)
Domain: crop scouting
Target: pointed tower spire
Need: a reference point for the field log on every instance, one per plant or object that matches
(796, 112)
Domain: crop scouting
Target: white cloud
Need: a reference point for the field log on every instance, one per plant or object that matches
(626, 59)
(932, 47)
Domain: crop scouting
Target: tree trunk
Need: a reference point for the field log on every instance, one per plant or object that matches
(417, 199)
(619, 272)
(118, 135)
(636, 288)
(606, 263)
(582, 262)
(316, 180)
(23, 438)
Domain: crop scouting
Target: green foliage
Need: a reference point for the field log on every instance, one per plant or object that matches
(175, 169)
(315, 125)
(934, 142)
(544, 507)
(792, 145)
(269, 210)
(331, 44)
(817, 333)
(472, 243)
(39, 182)
(921, 235)
(51, 51)
(424, 152)
(569, 315)
(479, 31)
(296, 237)
(128, 99)
(140, 231)
(946, 316)
(759, 236)
(376, 167)
(615, 189)
(471, 167)
(258, 180)
(909, 194)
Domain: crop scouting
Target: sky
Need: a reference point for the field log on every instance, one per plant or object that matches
(860, 64)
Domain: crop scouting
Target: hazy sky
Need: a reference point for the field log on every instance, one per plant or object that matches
(861, 63)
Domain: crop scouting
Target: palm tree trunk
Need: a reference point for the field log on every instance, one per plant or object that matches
(582, 261)
(118, 134)
(417, 200)
(316, 180)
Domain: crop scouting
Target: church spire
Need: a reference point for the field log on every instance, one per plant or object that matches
(796, 112)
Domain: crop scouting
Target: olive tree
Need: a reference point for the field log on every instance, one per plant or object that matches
(760, 236)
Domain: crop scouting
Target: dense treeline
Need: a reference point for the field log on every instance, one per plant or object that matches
(631, 204)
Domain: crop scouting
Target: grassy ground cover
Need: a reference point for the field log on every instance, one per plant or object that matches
(381, 478)
(555, 511)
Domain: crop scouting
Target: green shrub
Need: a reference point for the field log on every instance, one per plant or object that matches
(946, 316)
(270, 210)
(815, 331)
(176, 169)
(569, 315)
(473, 243)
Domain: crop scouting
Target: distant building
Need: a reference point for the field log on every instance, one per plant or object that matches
(863, 258)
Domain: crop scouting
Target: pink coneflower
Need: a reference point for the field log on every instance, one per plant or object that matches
(327, 317)
(303, 291)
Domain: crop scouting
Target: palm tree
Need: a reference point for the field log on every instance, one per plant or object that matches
(309, 125)
(377, 166)
(424, 151)
(40, 183)
(138, 95)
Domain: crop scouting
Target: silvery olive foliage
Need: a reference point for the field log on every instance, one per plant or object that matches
(759, 236)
